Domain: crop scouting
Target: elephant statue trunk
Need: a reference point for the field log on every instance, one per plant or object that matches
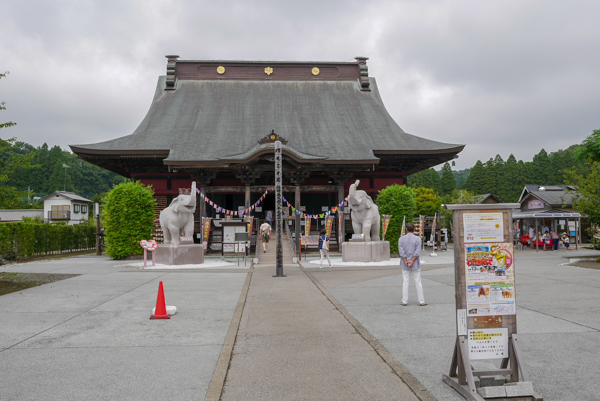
(364, 213)
(177, 219)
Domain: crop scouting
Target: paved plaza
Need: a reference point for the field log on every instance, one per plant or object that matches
(317, 334)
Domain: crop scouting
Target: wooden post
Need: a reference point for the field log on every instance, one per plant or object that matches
(247, 200)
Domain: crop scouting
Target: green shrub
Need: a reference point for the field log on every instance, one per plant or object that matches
(399, 201)
(128, 217)
(22, 240)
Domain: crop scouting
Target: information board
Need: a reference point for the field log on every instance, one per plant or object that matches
(490, 279)
(483, 227)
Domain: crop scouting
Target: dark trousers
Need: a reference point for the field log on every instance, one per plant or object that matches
(555, 244)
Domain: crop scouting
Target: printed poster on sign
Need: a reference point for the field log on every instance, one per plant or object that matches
(490, 279)
(488, 343)
(483, 227)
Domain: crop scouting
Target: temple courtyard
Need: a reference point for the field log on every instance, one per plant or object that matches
(317, 334)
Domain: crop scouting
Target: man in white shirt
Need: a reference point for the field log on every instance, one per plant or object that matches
(409, 249)
(265, 232)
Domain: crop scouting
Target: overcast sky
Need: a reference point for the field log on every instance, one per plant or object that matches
(501, 77)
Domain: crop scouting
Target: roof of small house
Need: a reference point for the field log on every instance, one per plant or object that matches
(68, 195)
(553, 195)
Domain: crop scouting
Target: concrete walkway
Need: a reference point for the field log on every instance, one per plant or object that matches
(294, 344)
(241, 334)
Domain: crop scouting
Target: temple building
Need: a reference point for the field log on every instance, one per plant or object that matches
(215, 122)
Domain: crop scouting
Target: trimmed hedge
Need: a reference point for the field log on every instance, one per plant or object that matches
(22, 240)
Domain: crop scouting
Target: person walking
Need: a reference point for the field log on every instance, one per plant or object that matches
(269, 217)
(324, 247)
(554, 238)
(265, 232)
(409, 249)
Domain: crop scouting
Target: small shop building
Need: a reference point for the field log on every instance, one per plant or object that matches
(548, 208)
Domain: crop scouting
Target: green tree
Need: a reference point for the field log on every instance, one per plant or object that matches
(590, 147)
(476, 181)
(460, 177)
(512, 182)
(428, 203)
(447, 183)
(398, 201)
(541, 171)
(427, 179)
(128, 218)
(11, 161)
(586, 182)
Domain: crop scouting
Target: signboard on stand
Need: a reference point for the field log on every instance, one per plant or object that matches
(485, 286)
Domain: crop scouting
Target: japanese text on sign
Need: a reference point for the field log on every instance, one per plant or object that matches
(490, 279)
(488, 343)
(483, 227)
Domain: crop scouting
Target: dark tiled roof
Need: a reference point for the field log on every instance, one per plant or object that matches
(212, 120)
(553, 195)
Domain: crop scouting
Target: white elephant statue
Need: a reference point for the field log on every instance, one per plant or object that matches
(364, 213)
(178, 217)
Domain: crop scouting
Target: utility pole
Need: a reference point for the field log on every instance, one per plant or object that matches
(65, 167)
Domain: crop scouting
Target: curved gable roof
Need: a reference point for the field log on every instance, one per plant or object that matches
(211, 120)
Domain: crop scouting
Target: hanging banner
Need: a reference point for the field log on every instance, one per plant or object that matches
(205, 231)
(403, 231)
(340, 227)
(432, 238)
(249, 220)
(307, 225)
(328, 225)
(385, 224)
(422, 225)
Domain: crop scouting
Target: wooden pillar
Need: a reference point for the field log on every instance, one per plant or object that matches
(341, 193)
(247, 200)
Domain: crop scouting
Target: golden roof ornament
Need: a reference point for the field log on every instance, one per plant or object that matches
(268, 70)
(221, 70)
(316, 71)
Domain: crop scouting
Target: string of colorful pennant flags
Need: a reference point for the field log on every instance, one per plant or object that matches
(232, 212)
(262, 198)
(315, 216)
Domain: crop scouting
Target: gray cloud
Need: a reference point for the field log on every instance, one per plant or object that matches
(502, 77)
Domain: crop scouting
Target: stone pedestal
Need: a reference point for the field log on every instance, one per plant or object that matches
(182, 254)
(374, 251)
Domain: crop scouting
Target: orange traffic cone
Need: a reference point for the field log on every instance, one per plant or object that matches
(161, 305)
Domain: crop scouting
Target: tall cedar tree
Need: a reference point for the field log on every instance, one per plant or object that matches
(447, 183)
(542, 171)
(427, 178)
(476, 181)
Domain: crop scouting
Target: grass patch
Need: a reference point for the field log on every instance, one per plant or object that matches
(14, 282)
